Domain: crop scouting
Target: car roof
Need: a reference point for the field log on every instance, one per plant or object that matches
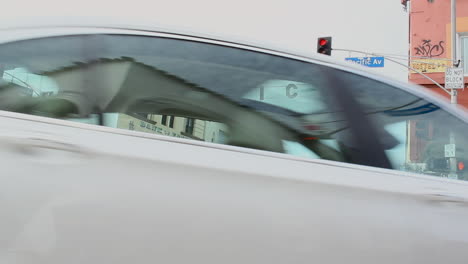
(9, 27)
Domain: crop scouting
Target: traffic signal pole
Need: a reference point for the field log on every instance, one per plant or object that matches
(453, 97)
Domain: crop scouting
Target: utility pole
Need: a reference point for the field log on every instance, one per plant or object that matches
(454, 45)
(453, 97)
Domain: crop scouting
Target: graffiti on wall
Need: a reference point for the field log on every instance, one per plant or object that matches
(428, 49)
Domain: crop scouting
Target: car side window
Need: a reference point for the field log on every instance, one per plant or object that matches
(176, 88)
(417, 135)
(35, 78)
(219, 94)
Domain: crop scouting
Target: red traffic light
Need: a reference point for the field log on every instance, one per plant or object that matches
(461, 165)
(324, 45)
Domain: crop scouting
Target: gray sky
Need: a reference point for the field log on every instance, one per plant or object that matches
(379, 26)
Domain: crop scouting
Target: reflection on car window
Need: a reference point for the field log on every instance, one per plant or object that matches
(414, 132)
(306, 98)
(170, 125)
(177, 88)
(33, 77)
(30, 83)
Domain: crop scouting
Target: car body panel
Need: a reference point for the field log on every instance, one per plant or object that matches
(194, 203)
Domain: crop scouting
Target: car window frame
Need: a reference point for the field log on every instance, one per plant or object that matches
(328, 64)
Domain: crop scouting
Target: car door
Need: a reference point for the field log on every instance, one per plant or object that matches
(176, 149)
(417, 133)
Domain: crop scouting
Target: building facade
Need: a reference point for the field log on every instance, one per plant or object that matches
(430, 51)
(430, 42)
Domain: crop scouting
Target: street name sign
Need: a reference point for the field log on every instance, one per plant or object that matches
(372, 62)
(454, 78)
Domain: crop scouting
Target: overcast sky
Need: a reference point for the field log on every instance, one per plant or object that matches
(379, 26)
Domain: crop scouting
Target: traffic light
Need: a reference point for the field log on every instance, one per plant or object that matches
(324, 45)
(461, 165)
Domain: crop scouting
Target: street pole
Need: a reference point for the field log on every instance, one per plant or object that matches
(453, 98)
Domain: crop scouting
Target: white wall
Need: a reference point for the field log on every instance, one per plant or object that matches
(370, 25)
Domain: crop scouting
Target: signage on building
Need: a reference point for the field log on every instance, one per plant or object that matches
(449, 150)
(132, 123)
(373, 62)
(454, 78)
(430, 65)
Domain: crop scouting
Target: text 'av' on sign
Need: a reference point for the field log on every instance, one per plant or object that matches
(373, 62)
(454, 78)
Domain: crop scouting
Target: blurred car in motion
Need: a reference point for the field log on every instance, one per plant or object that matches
(137, 145)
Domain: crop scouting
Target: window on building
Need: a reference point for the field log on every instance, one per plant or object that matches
(171, 121)
(464, 49)
(164, 120)
(190, 123)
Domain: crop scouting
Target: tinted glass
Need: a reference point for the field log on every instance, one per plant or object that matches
(223, 95)
(417, 135)
(176, 88)
(36, 78)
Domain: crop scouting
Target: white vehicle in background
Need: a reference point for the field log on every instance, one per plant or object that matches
(138, 145)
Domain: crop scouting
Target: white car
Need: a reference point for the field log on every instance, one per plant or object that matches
(138, 145)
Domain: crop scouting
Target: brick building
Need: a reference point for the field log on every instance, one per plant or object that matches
(430, 50)
(430, 41)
